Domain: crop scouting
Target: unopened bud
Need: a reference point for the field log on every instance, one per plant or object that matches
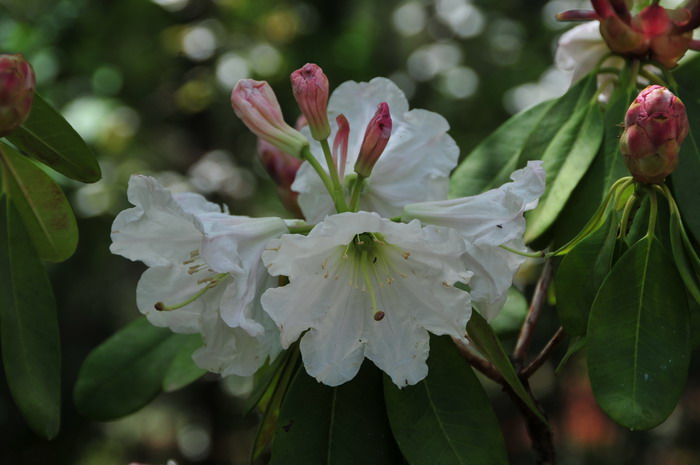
(376, 137)
(17, 86)
(255, 103)
(282, 168)
(310, 87)
(655, 127)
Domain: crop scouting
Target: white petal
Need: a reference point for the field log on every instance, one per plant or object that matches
(234, 351)
(172, 285)
(158, 230)
(494, 217)
(328, 295)
(580, 49)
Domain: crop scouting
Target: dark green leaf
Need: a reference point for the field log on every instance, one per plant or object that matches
(582, 272)
(46, 213)
(486, 340)
(687, 261)
(607, 167)
(182, 370)
(446, 418)
(31, 350)
(510, 318)
(49, 138)
(491, 163)
(126, 371)
(685, 178)
(565, 160)
(687, 75)
(638, 338)
(342, 425)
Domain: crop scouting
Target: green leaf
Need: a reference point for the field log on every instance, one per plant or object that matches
(182, 370)
(342, 425)
(47, 137)
(446, 418)
(271, 402)
(486, 340)
(638, 338)
(46, 213)
(126, 371)
(685, 179)
(581, 274)
(687, 261)
(607, 167)
(31, 350)
(575, 346)
(263, 378)
(492, 162)
(522, 138)
(687, 75)
(566, 159)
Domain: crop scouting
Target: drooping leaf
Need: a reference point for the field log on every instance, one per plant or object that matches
(182, 370)
(46, 213)
(126, 371)
(566, 159)
(31, 350)
(638, 338)
(342, 425)
(581, 273)
(47, 137)
(491, 163)
(685, 179)
(574, 347)
(447, 417)
(684, 255)
(486, 340)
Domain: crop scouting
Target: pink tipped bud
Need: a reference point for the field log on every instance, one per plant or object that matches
(655, 127)
(376, 137)
(255, 103)
(282, 168)
(310, 87)
(17, 86)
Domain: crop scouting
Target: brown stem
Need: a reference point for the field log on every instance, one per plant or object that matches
(533, 315)
(543, 355)
(539, 432)
(478, 362)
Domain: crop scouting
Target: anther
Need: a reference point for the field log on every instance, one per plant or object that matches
(160, 306)
(379, 316)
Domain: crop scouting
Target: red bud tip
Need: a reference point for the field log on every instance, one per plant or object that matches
(376, 138)
(310, 87)
(17, 84)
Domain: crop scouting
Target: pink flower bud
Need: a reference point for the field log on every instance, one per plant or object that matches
(310, 87)
(17, 86)
(340, 144)
(282, 168)
(655, 126)
(255, 103)
(376, 137)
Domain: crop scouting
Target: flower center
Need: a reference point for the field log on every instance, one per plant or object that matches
(207, 277)
(369, 263)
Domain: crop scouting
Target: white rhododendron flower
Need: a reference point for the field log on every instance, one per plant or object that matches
(580, 49)
(485, 222)
(364, 286)
(414, 166)
(205, 274)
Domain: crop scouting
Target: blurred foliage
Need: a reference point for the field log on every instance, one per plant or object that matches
(147, 84)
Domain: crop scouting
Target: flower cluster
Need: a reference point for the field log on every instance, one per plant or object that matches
(381, 259)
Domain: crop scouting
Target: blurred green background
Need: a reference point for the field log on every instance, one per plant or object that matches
(147, 84)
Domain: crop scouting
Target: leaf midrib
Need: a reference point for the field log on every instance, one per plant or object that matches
(437, 417)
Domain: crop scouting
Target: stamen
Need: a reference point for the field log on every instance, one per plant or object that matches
(214, 280)
(364, 263)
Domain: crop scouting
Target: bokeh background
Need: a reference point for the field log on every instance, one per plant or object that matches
(147, 84)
